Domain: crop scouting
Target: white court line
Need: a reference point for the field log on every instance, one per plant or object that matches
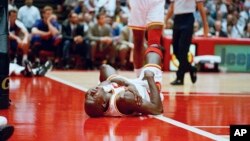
(190, 128)
(66, 82)
(208, 95)
(159, 117)
(225, 136)
(211, 126)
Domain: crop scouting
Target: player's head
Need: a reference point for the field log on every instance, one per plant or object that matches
(29, 2)
(12, 15)
(96, 103)
(73, 17)
(101, 18)
(47, 12)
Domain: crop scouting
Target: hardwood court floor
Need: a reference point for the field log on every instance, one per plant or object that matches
(51, 108)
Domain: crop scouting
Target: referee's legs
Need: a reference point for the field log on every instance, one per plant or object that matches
(182, 37)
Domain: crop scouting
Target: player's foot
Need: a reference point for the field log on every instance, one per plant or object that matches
(5, 132)
(42, 70)
(193, 74)
(28, 69)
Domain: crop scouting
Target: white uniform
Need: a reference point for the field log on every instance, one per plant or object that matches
(184, 6)
(146, 12)
(141, 86)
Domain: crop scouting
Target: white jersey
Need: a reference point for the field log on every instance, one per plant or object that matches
(144, 13)
(141, 86)
(184, 6)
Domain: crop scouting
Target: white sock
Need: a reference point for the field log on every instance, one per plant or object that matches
(3, 121)
(137, 72)
(35, 70)
(17, 69)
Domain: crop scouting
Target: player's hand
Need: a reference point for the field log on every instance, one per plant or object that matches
(206, 30)
(78, 39)
(92, 91)
(51, 18)
(148, 74)
(134, 91)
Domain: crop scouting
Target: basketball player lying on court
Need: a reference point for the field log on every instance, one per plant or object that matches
(120, 96)
(28, 71)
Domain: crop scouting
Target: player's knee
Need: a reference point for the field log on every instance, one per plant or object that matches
(156, 49)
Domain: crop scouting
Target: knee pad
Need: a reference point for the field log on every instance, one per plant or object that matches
(156, 49)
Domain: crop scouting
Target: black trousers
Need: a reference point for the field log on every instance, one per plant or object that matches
(182, 37)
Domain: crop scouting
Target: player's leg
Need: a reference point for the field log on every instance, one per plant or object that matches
(44, 69)
(138, 48)
(155, 22)
(24, 46)
(137, 21)
(106, 71)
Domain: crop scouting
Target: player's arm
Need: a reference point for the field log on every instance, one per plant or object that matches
(53, 26)
(23, 30)
(200, 7)
(36, 31)
(135, 103)
(120, 81)
(13, 36)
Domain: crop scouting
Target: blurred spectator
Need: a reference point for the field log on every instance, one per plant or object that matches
(244, 16)
(125, 44)
(28, 14)
(121, 5)
(247, 31)
(229, 30)
(238, 4)
(218, 30)
(70, 3)
(74, 40)
(90, 5)
(229, 20)
(45, 33)
(101, 40)
(109, 5)
(118, 23)
(231, 8)
(86, 20)
(19, 37)
(237, 30)
(219, 16)
(210, 19)
(221, 6)
(79, 7)
(197, 31)
(11, 5)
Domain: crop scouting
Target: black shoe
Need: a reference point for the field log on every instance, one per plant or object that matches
(6, 132)
(28, 69)
(42, 70)
(37, 63)
(177, 82)
(193, 74)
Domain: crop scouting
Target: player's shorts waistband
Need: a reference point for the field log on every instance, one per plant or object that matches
(153, 65)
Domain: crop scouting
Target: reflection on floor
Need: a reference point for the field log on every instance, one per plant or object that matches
(44, 109)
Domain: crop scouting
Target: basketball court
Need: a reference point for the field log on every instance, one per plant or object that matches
(51, 108)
